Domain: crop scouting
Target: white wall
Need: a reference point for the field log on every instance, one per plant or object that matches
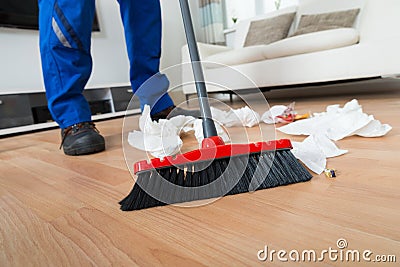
(20, 69)
(251, 8)
(19, 61)
(173, 31)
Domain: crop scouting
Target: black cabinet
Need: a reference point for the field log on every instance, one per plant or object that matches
(31, 108)
(122, 96)
(15, 111)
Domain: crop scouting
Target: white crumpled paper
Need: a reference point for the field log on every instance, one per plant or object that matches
(314, 151)
(269, 117)
(157, 146)
(198, 131)
(338, 123)
(160, 138)
(334, 124)
(236, 117)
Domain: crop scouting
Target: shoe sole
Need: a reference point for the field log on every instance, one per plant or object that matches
(85, 150)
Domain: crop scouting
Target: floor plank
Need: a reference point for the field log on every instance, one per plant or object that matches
(29, 241)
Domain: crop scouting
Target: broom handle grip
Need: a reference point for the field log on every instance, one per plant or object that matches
(209, 129)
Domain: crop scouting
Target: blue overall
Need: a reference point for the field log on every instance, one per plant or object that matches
(65, 38)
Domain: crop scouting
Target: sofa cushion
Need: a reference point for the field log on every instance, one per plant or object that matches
(312, 42)
(237, 56)
(326, 21)
(269, 30)
(241, 28)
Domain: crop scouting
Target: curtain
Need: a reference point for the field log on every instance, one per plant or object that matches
(212, 21)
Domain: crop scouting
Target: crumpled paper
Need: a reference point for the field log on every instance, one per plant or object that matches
(198, 131)
(338, 123)
(157, 146)
(283, 114)
(160, 138)
(270, 116)
(236, 117)
(334, 124)
(314, 151)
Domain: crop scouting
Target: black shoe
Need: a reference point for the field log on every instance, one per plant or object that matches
(82, 139)
(173, 112)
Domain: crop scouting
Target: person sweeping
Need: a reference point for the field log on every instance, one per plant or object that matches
(65, 28)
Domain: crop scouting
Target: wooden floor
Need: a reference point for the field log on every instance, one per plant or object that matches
(57, 210)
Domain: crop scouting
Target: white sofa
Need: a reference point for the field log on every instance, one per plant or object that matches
(370, 49)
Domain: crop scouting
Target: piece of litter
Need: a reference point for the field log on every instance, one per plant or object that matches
(328, 146)
(374, 129)
(310, 154)
(330, 173)
(338, 123)
(334, 124)
(314, 151)
(288, 114)
(160, 138)
(236, 117)
(282, 114)
(157, 146)
(198, 131)
(269, 117)
(302, 116)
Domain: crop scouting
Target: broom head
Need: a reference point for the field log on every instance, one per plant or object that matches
(215, 170)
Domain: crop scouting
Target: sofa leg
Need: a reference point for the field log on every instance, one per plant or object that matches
(187, 99)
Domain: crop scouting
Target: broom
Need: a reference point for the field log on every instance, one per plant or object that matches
(216, 169)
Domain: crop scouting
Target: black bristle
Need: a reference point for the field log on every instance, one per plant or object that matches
(196, 182)
(181, 177)
(203, 180)
(259, 173)
(236, 170)
(241, 169)
(137, 193)
(188, 194)
(224, 176)
(173, 179)
(210, 171)
(155, 188)
(214, 188)
(146, 200)
(179, 193)
(267, 164)
(276, 175)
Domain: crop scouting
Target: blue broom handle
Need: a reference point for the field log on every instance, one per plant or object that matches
(209, 129)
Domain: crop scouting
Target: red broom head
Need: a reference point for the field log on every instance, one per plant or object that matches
(212, 148)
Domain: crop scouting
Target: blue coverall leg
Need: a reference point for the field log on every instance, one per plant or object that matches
(142, 25)
(65, 39)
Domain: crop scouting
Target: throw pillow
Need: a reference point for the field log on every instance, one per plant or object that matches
(266, 31)
(326, 21)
